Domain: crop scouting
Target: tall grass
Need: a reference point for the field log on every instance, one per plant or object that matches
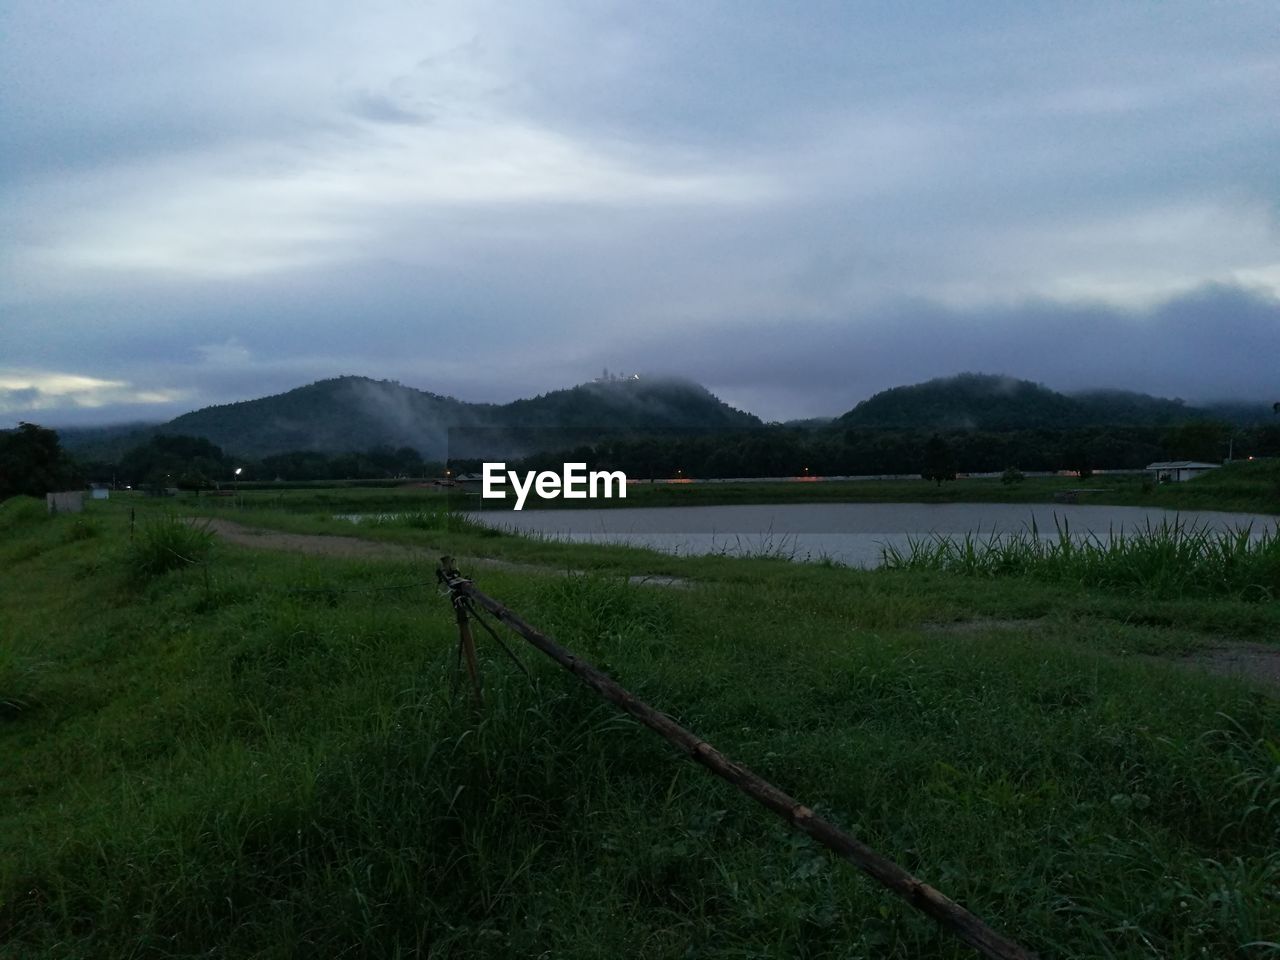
(273, 770)
(441, 519)
(18, 681)
(167, 543)
(1171, 558)
(764, 546)
(21, 511)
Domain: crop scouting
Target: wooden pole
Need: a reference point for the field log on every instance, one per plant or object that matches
(467, 645)
(946, 912)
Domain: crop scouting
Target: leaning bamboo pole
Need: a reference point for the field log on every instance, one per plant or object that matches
(946, 912)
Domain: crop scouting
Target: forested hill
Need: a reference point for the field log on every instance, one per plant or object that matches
(975, 401)
(332, 416)
(357, 413)
(348, 414)
(628, 404)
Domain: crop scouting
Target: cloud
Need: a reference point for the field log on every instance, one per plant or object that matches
(1216, 342)
(30, 391)
(382, 109)
(248, 211)
(230, 353)
(488, 199)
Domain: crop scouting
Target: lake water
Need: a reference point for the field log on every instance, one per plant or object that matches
(851, 533)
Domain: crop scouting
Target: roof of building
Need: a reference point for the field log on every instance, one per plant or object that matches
(1181, 465)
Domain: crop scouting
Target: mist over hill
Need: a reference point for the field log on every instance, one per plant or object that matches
(358, 413)
(353, 413)
(332, 416)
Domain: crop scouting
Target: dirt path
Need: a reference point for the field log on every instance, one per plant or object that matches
(1259, 662)
(1256, 661)
(316, 545)
(336, 545)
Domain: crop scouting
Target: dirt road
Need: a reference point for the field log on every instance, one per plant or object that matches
(336, 545)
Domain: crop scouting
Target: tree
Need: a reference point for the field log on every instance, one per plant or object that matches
(939, 463)
(32, 462)
(192, 462)
(1197, 440)
(1076, 458)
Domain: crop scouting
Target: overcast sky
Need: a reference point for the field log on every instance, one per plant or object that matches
(795, 204)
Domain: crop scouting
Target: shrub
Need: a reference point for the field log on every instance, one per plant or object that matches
(81, 528)
(1012, 475)
(169, 543)
(22, 512)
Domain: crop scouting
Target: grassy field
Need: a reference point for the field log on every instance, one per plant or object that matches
(259, 753)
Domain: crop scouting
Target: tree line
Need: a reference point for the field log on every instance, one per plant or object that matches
(194, 463)
(33, 462)
(787, 452)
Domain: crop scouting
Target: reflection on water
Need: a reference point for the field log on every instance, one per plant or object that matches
(849, 533)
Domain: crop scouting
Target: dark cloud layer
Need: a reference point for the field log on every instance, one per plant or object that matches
(1212, 344)
(795, 205)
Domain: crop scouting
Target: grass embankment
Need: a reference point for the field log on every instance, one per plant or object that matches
(259, 755)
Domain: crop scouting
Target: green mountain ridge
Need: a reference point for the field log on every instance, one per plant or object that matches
(977, 401)
(350, 413)
(358, 413)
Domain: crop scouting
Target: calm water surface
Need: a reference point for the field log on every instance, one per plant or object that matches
(851, 533)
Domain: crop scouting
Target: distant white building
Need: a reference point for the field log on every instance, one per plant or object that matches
(1179, 471)
(607, 377)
